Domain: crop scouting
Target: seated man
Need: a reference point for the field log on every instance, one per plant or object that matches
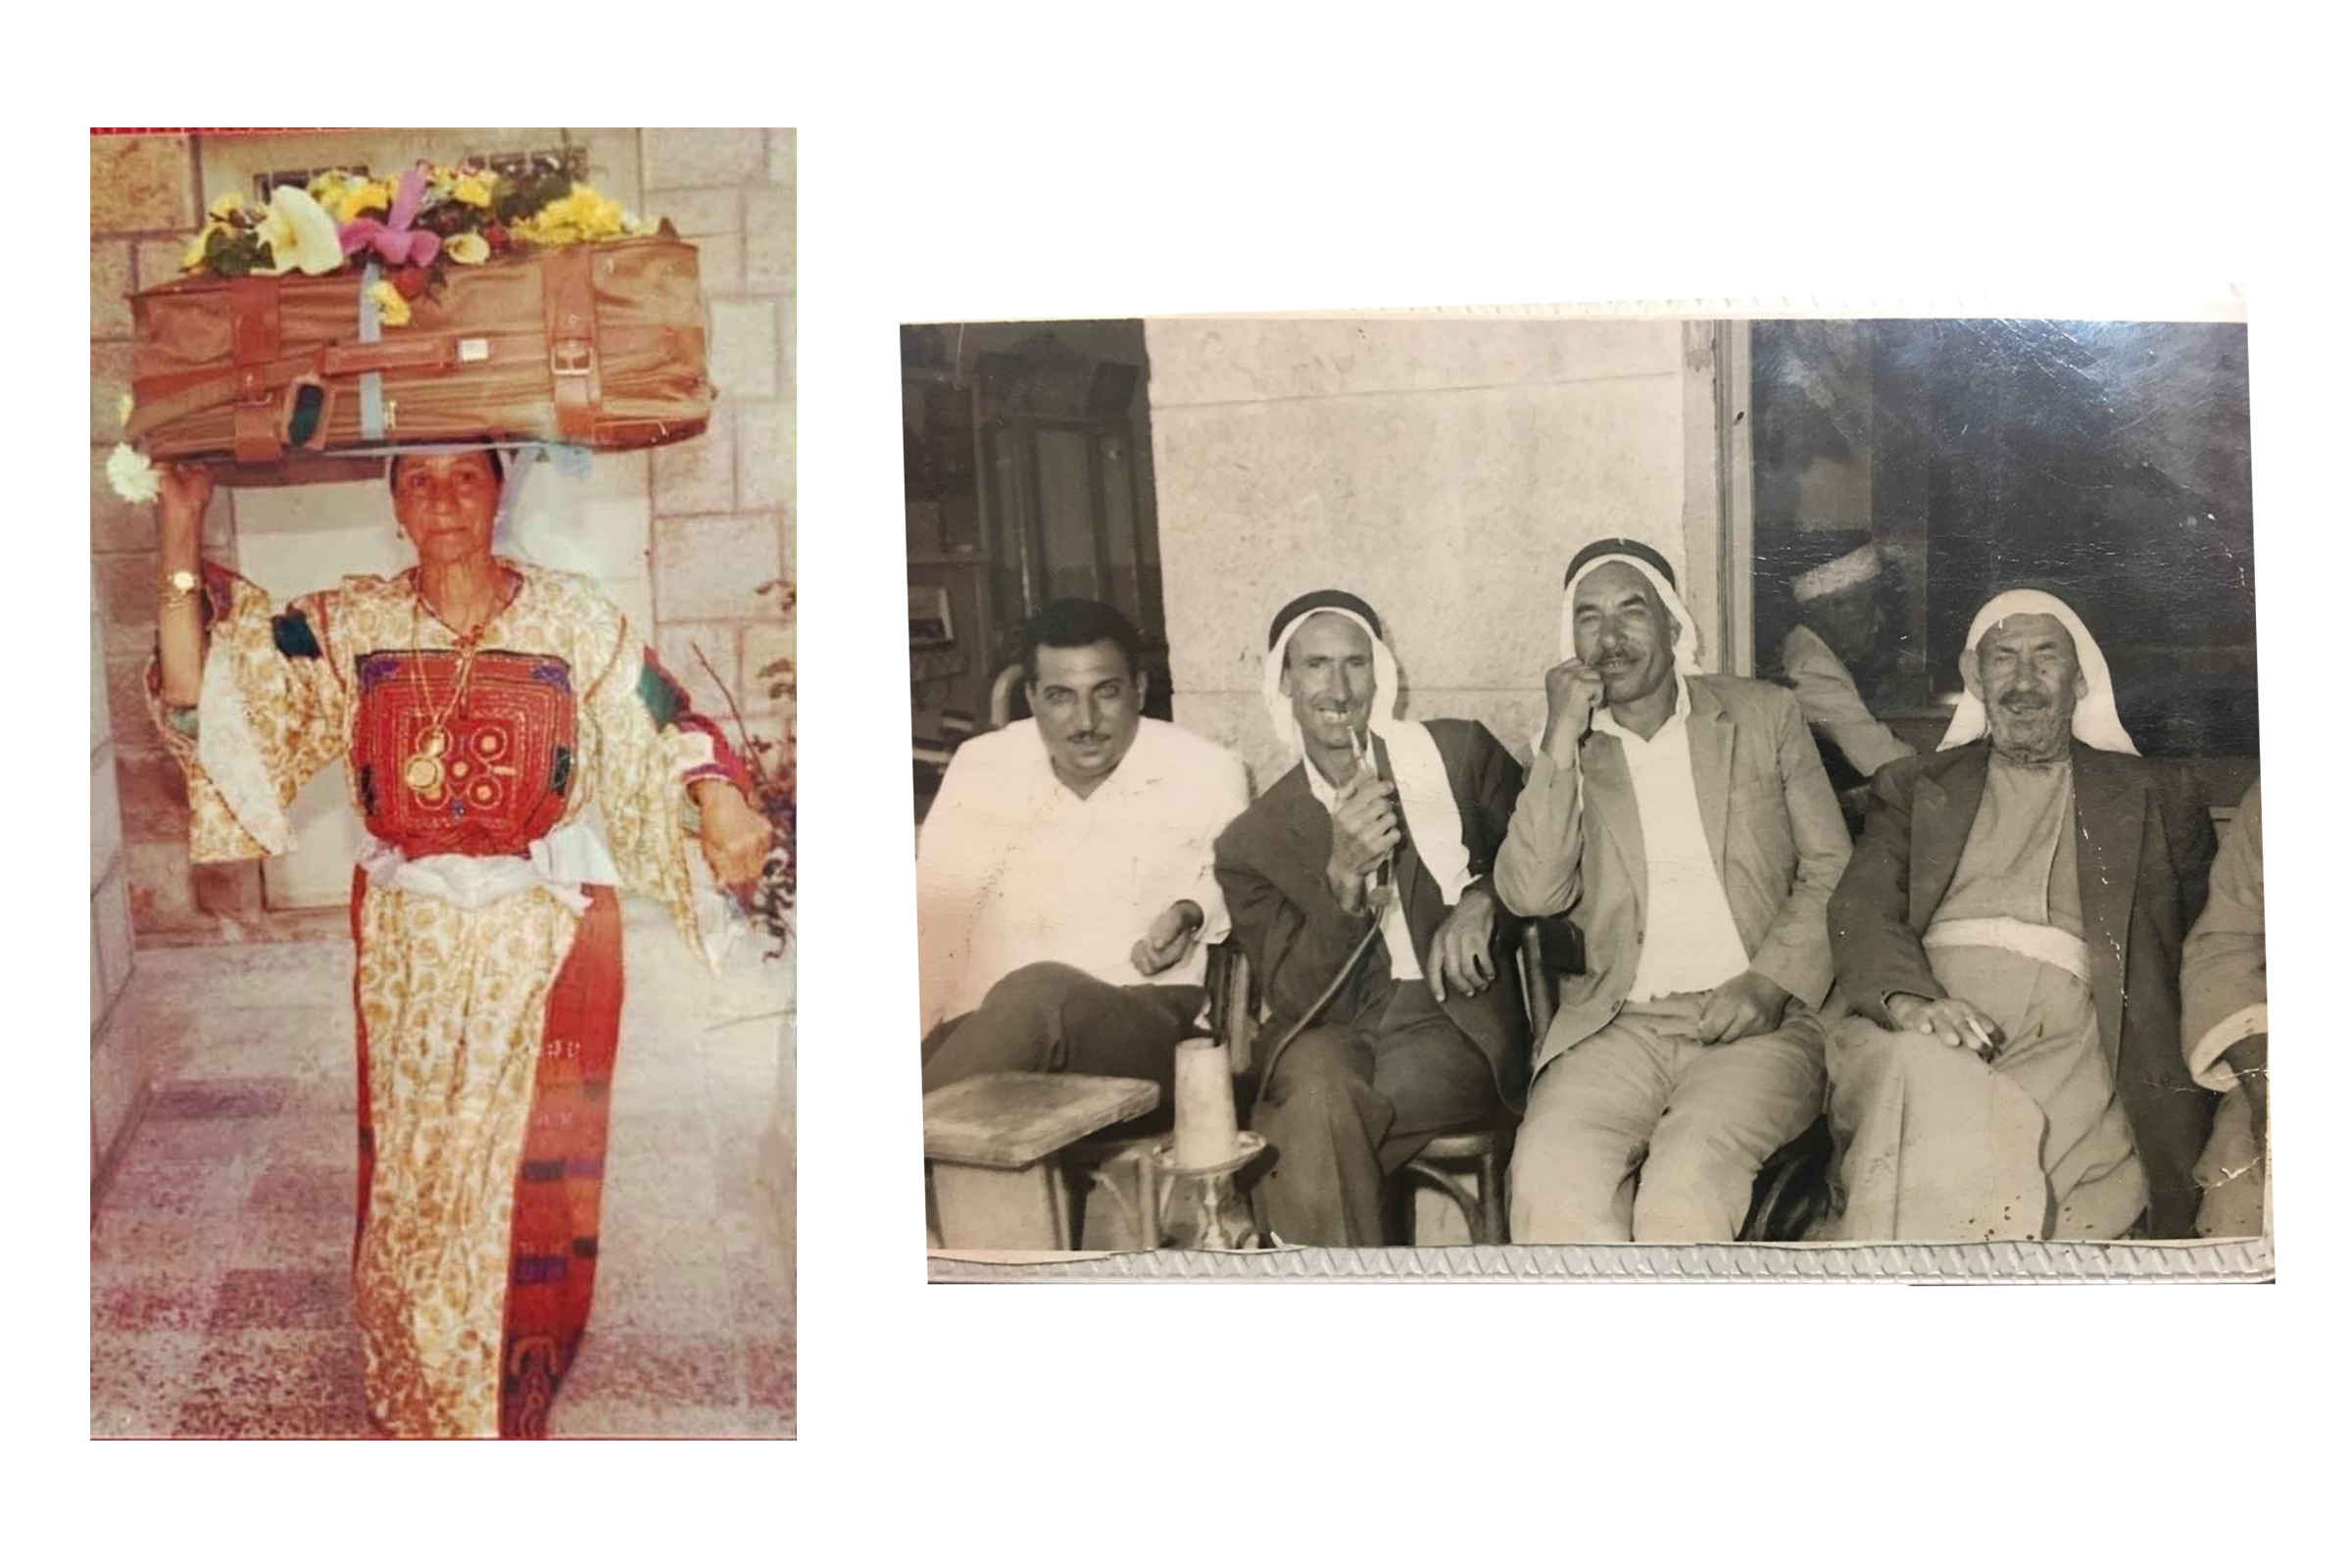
(1694, 806)
(1064, 897)
(1358, 888)
(2009, 932)
(2225, 1028)
(1841, 627)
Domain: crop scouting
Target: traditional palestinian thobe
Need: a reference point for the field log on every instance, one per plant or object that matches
(2053, 898)
(2045, 1149)
(488, 980)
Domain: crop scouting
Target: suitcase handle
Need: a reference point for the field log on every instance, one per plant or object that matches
(339, 360)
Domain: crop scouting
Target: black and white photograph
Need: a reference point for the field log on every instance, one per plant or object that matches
(1431, 779)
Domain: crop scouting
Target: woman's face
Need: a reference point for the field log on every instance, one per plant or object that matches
(447, 505)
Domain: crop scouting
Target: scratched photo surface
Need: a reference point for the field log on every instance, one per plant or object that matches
(1584, 788)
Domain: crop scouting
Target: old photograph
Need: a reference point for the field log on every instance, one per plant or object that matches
(442, 873)
(1435, 778)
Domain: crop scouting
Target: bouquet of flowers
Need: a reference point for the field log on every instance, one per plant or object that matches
(414, 227)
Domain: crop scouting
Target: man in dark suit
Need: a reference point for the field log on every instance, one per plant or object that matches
(2009, 932)
(1358, 886)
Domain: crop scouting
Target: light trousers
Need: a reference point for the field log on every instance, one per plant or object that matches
(1641, 1134)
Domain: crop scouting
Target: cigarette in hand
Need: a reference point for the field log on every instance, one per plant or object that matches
(1985, 1044)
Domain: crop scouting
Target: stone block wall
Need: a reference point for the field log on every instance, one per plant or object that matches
(1445, 470)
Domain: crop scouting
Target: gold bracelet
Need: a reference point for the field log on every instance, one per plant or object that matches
(176, 588)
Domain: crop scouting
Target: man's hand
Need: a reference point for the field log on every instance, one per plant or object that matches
(2250, 1060)
(1363, 833)
(1571, 692)
(1956, 1023)
(1169, 939)
(1747, 1003)
(735, 838)
(1462, 957)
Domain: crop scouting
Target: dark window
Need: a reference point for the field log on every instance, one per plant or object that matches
(2107, 462)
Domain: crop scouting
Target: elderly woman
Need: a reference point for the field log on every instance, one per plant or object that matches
(482, 705)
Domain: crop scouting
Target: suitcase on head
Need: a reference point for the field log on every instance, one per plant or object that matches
(596, 345)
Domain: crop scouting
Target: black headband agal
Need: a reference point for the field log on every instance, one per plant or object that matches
(1307, 605)
(1621, 547)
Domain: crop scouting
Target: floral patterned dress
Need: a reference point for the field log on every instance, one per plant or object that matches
(488, 938)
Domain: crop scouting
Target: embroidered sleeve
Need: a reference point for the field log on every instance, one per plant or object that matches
(635, 772)
(271, 712)
(700, 744)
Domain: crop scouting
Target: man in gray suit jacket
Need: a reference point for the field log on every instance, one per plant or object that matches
(1692, 805)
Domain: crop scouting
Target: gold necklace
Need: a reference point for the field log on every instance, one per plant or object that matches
(425, 770)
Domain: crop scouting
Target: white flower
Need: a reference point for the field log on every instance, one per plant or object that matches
(130, 473)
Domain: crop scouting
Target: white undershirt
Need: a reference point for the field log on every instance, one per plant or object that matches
(1394, 933)
(1689, 943)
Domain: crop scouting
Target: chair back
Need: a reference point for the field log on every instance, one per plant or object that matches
(1002, 695)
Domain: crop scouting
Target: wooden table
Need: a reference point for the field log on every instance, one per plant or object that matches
(990, 1142)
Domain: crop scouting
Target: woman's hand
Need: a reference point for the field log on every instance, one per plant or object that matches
(735, 838)
(186, 492)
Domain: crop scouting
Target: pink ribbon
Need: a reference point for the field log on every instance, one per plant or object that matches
(393, 239)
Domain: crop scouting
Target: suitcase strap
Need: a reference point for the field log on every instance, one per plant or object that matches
(568, 289)
(254, 339)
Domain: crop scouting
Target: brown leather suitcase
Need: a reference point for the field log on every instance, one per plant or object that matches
(601, 345)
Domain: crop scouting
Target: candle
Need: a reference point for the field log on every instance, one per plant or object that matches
(1206, 1131)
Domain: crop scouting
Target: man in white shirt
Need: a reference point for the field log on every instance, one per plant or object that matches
(1066, 900)
(1693, 807)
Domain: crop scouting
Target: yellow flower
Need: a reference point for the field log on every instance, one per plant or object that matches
(123, 407)
(227, 205)
(132, 476)
(358, 198)
(299, 235)
(470, 248)
(193, 257)
(387, 300)
(473, 190)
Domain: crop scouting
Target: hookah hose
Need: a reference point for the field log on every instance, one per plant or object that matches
(1306, 1019)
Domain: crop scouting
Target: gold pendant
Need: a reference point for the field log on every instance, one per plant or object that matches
(421, 773)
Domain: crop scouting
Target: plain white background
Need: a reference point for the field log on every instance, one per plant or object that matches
(1214, 160)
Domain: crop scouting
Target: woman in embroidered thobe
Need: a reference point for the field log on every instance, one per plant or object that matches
(482, 706)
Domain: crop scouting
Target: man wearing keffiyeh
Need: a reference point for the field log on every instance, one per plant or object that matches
(2009, 932)
(1683, 821)
(1363, 872)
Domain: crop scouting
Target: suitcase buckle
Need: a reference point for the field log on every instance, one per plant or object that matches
(571, 357)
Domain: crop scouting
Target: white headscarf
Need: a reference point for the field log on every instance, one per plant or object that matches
(1687, 648)
(1431, 815)
(2096, 722)
(1685, 638)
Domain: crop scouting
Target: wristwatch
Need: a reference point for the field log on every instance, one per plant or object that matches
(179, 586)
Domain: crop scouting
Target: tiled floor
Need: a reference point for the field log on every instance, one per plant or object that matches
(219, 1261)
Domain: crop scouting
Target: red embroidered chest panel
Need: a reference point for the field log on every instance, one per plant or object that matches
(502, 771)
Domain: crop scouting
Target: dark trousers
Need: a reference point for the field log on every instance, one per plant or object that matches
(1348, 1105)
(1049, 1018)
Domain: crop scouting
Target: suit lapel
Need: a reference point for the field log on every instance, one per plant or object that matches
(1609, 788)
(1943, 809)
(2110, 816)
(1306, 826)
(1709, 729)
